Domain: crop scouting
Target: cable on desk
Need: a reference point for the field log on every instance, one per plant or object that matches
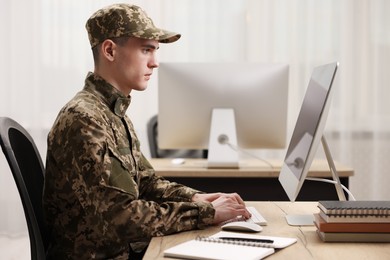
(351, 197)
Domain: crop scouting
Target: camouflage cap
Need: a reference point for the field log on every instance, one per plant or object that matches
(119, 20)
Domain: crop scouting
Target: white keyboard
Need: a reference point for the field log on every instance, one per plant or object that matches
(256, 218)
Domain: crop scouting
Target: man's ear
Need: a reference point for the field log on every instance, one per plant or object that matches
(108, 49)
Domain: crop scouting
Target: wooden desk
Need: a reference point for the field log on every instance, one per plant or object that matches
(254, 180)
(308, 246)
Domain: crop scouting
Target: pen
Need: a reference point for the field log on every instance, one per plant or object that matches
(258, 240)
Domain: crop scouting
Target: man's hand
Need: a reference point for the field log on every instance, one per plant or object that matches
(227, 205)
(210, 197)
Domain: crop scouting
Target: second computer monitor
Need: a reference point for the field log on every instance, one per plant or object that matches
(308, 130)
(247, 101)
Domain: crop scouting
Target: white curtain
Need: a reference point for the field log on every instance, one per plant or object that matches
(46, 55)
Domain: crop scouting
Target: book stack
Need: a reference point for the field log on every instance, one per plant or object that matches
(353, 221)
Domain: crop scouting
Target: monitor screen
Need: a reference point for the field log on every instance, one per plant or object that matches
(252, 99)
(308, 129)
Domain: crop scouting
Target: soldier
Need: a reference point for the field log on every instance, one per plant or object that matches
(102, 198)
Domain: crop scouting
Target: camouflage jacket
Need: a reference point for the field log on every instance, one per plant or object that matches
(101, 194)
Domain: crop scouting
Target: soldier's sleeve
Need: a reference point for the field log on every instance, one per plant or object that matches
(153, 187)
(114, 213)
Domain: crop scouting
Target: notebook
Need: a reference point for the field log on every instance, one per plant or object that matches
(355, 208)
(324, 226)
(354, 219)
(355, 211)
(354, 237)
(229, 246)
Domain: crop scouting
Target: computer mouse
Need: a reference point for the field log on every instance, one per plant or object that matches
(177, 161)
(241, 226)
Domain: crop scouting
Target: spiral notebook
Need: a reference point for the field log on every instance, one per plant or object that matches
(355, 211)
(355, 208)
(229, 245)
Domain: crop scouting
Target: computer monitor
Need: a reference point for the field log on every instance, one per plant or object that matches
(216, 106)
(308, 132)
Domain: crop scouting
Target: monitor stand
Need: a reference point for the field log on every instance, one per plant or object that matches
(222, 135)
(308, 220)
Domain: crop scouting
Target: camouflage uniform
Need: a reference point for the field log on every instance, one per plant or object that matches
(101, 195)
(100, 191)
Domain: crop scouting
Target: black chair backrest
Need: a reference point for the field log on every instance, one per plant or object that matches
(152, 136)
(28, 171)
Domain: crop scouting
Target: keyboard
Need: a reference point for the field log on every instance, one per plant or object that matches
(256, 218)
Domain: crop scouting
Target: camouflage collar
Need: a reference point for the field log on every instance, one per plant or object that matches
(115, 100)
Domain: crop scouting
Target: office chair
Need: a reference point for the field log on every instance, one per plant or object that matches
(28, 171)
(156, 152)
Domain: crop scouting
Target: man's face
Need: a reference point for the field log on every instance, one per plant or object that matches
(134, 63)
